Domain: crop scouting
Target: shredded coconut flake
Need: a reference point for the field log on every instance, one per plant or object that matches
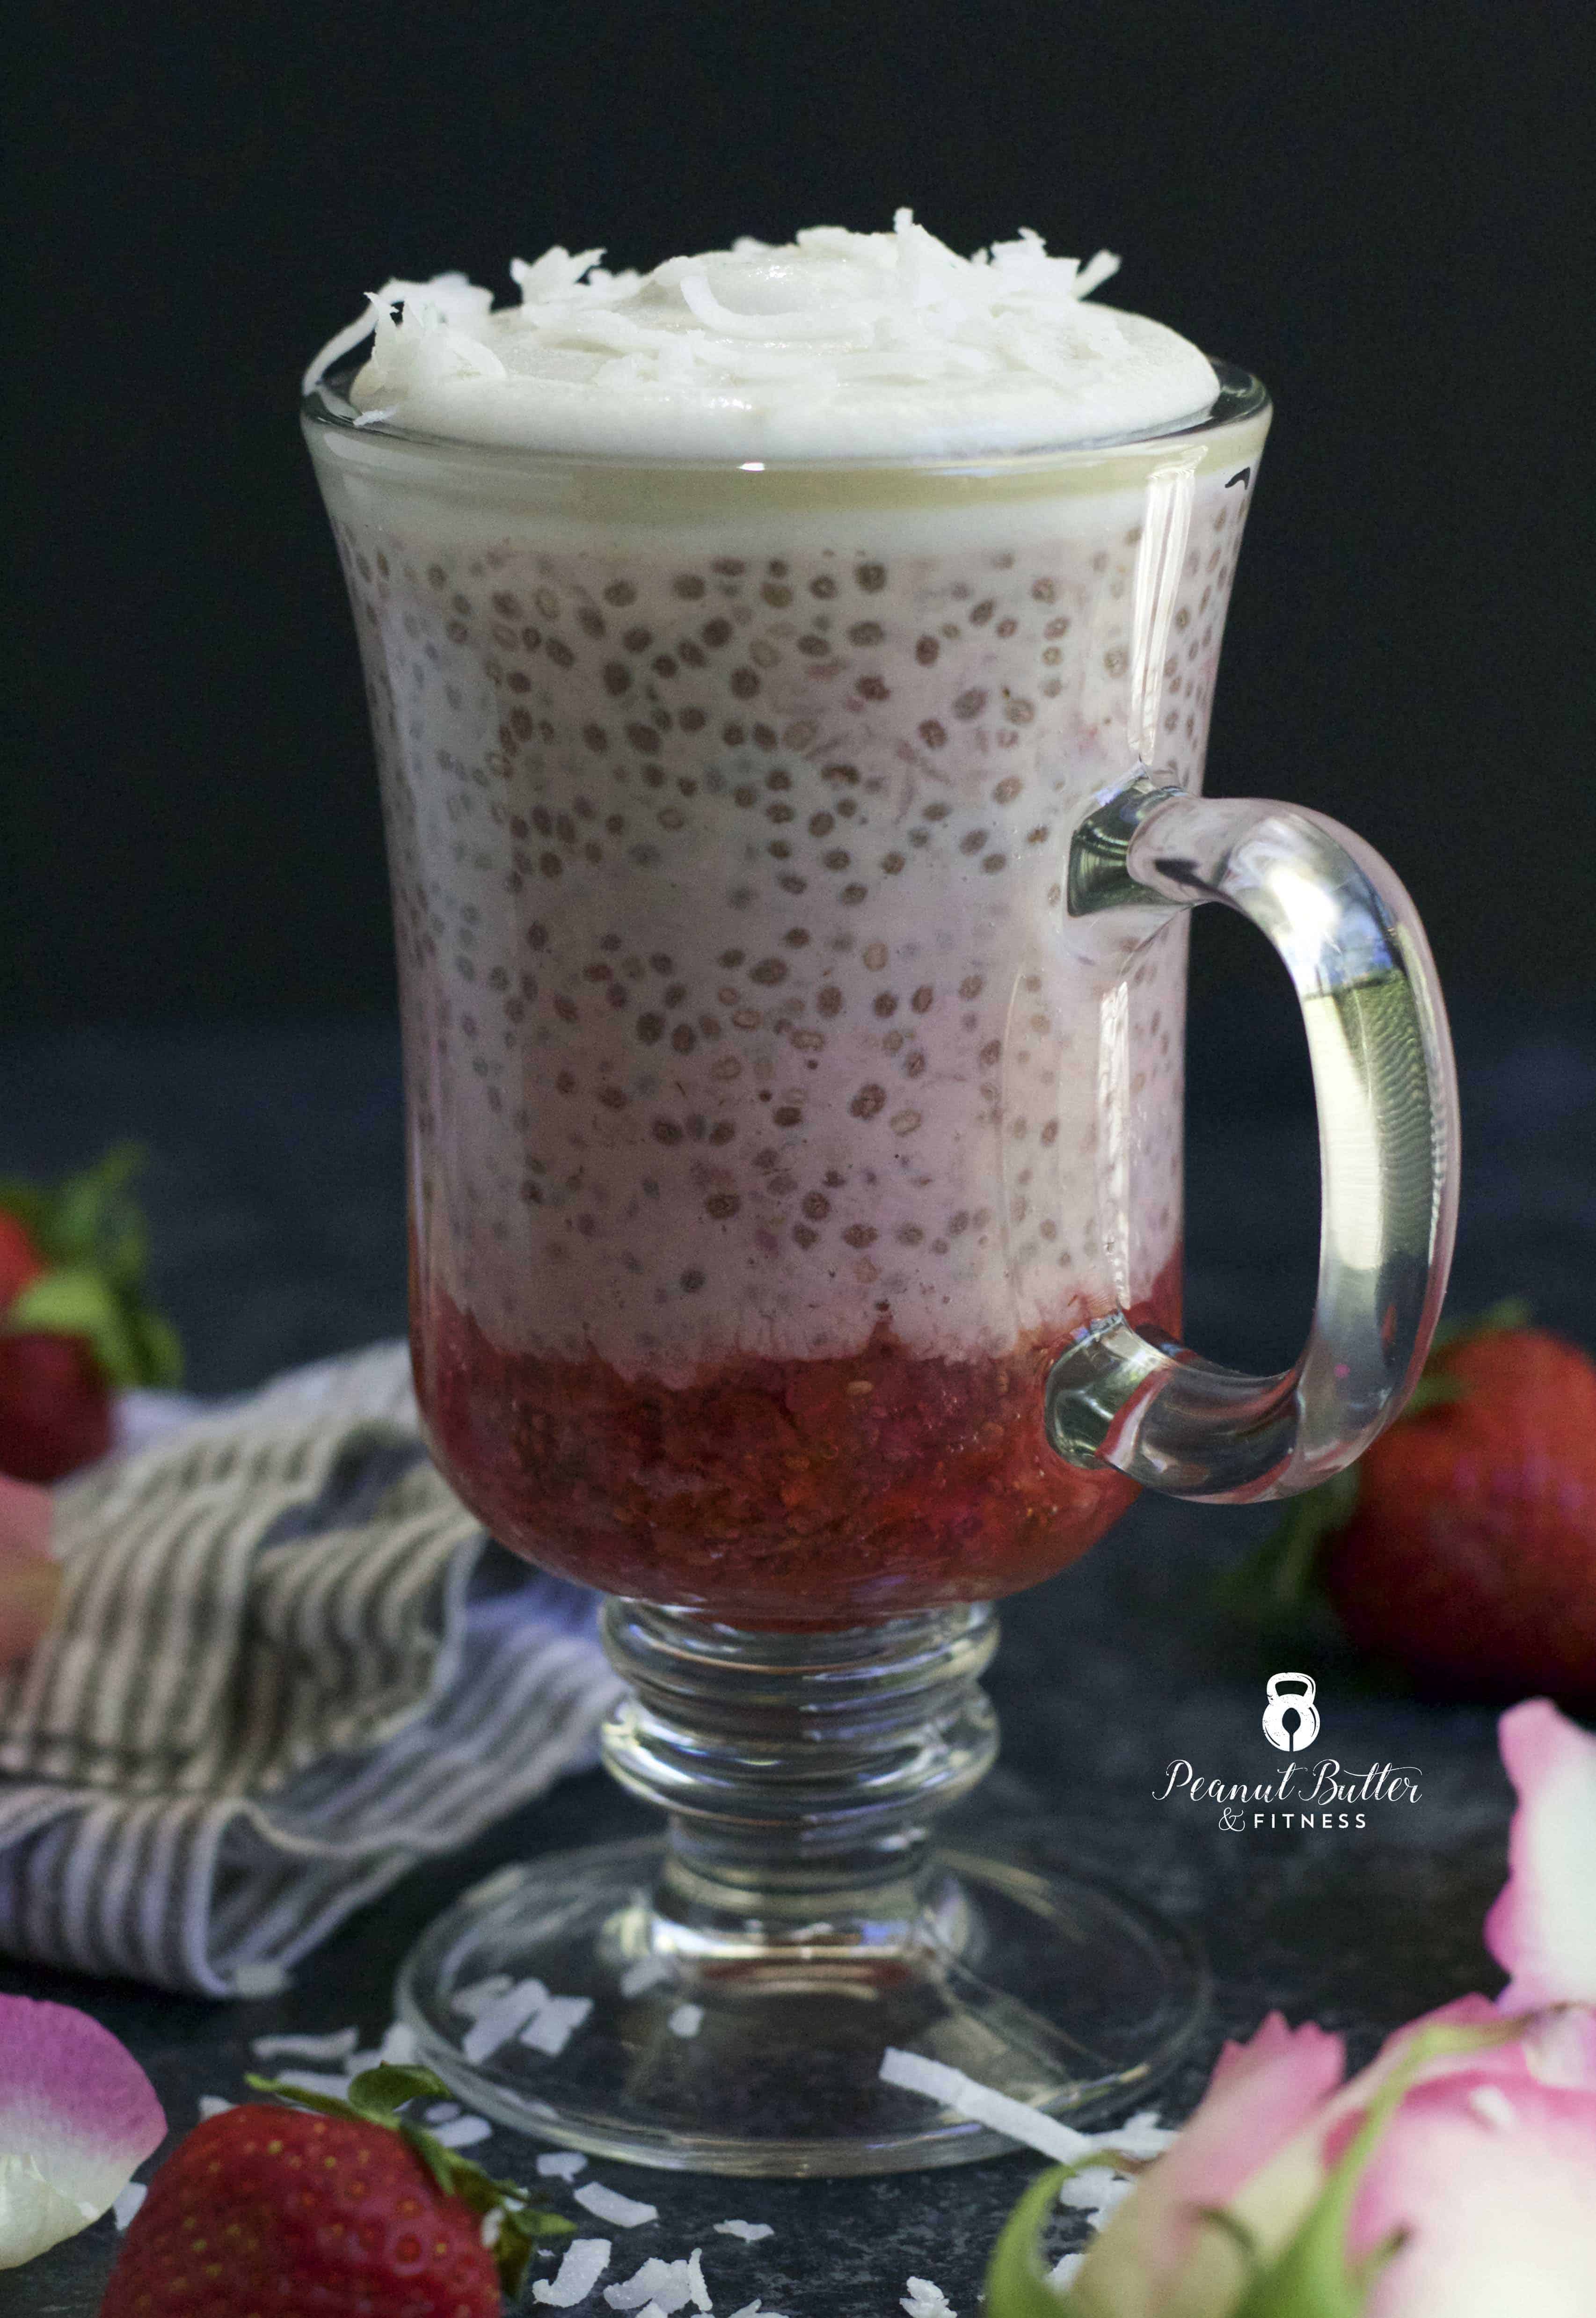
(127, 2202)
(477, 1994)
(1142, 2137)
(585, 2263)
(648, 1971)
(554, 2023)
(838, 344)
(925, 2300)
(462, 2133)
(261, 1979)
(696, 2286)
(610, 2205)
(1063, 2270)
(212, 2105)
(561, 2164)
(751, 2233)
(398, 2047)
(339, 2046)
(443, 2112)
(686, 2020)
(501, 2016)
(667, 2285)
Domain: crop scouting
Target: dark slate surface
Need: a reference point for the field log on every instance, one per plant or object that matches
(274, 1190)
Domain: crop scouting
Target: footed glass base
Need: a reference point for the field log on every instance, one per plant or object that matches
(719, 2056)
(720, 2001)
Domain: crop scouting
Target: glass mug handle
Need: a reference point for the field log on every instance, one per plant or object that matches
(1386, 1092)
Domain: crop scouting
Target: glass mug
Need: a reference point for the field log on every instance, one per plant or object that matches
(791, 866)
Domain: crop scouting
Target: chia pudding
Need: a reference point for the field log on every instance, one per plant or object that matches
(771, 1126)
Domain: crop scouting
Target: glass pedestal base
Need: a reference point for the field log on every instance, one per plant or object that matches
(710, 2053)
(720, 2001)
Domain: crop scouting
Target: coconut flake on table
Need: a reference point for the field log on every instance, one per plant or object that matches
(648, 1971)
(1063, 2269)
(477, 1994)
(554, 2023)
(261, 1979)
(839, 343)
(561, 2164)
(336, 2046)
(925, 2300)
(686, 2020)
(127, 2202)
(585, 2261)
(1142, 2137)
(755, 2309)
(669, 2285)
(751, 2233)
(611, 2205)
(212, 2105)
(461, 2132)
(398, 2047)
(500, 2016)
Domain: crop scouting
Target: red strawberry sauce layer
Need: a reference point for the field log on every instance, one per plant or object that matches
(771, 1492)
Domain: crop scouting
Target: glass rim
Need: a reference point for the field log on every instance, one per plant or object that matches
(1241, 397)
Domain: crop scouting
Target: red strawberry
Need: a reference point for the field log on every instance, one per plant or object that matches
(74, 1322)
(21, 1262)
(55, 1406)
(345, 2211)
(1462, 1546)
(1470, 1556)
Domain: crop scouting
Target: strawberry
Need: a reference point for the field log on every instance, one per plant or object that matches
(55, 1406)
(337, 2207)
(74, 1322)
(1462, 1546)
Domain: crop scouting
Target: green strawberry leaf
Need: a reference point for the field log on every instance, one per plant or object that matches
(92, 1240)
(1274, 1587)
(75, 1300)
(380, 2093)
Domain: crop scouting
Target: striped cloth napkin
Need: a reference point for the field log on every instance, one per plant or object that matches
(289, 1666)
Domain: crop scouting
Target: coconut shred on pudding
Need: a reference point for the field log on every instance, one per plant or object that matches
(733, 737)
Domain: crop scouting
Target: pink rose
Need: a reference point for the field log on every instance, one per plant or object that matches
(1454, 2177)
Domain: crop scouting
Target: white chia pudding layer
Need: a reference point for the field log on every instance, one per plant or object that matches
(727, 821)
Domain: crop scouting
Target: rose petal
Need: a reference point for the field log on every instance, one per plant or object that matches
(1259, 2097)
(1542, 1928)
(1493, 2188)
(78, 2114)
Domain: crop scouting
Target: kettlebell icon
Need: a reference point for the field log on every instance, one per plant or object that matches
(1290, 1740)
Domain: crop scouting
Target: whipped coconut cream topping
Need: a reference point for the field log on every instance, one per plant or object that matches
(837, 345)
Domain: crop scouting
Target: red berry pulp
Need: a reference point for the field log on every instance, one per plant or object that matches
(770, 1493)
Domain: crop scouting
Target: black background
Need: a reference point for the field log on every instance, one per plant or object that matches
(1380, 210)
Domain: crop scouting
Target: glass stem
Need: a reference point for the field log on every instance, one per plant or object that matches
(799, 1772)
